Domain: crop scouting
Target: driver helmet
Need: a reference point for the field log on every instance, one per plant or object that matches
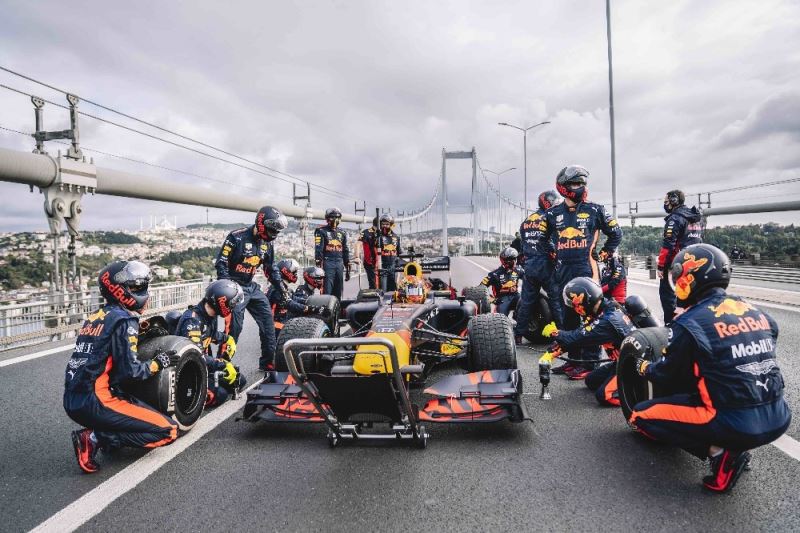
(125, 283)
(314, 277)
(549, 199)
(333, 216)
(673, 199)
(508, 257)
(223, 295)
(412, 290)
(386, 222)
(288, 269)
(583, 295)
(696, 269)
(571, 183)
(270, 222)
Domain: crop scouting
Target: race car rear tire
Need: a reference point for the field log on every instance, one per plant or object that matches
(539, 319)
(179, 391)
(491, 343)
(300, 328)
(645, 343)
(479, 296)
(331, 303)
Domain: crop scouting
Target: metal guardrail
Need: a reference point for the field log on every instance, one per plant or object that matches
(61, 314)
(742, 270)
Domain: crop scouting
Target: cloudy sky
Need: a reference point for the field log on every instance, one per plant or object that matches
(362, 96)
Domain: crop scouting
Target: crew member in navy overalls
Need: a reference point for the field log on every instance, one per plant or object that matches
(331, 252)
(199, 324)
(721, 366)
(504, 282)
(104, 358)
(574, 226)
(614, 280)
(682, 227)
(242, 253)
(388, 246)
(538, 253)
(367, 239)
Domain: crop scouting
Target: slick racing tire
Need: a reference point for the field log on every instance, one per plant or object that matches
(646, 343)
(491, 343)
(479, 297)
(300, 328)
(540, 318)
(329, 302)
(178, 391)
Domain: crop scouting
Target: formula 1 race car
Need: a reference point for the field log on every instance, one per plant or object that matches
(360, 382)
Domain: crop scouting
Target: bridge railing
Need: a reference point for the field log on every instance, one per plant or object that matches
(742, 270)
(59, 315)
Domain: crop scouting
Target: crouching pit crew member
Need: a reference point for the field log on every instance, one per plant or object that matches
(614, 280)
(604, 324)
(332, 253)
(104, 357)
(720, 361)
(575, 226)
(313, 281)
(504, 282)
(243, 251)
(279, 298)
(199, 325)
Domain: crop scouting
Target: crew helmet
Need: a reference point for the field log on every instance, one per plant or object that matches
(270, 222)
(508, 257)
(583, 295)
(673, 199)
(125, 283)
(549, 199)
(696, 269)
(386, 222)
(288, 269)
(572, 175)
(223, 295)
(314, 276)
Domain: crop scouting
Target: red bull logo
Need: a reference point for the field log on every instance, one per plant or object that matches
(683, 285)
(729, 306)
(253, 260)
(577, 303)
(116, 291)
(92, 330)
(743, 325)
(222, 303)
(571, 233)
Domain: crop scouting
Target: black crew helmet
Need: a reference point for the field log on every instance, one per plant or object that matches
(696, 269)
(314, 276)
(674, 199)
(288, 269)
(223, 295)
(270, 222)
(508, 257)
(572, 175)
(549, 199)
(583, 295)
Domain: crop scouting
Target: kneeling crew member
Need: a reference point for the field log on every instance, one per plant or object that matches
(614, 280)
(199, 325)
(313, 281)
(332, 253)
(720, 362)
(604, 324)
(279, 298)
(504, 282)
(104, 358)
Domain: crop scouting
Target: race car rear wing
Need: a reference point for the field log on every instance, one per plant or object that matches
(439, 263)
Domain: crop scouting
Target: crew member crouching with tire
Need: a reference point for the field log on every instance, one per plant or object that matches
(105, 357)
(604, 324)
(722, 350)
(199, 325)
(279, 298)
(504, 282)
(614, 280)
(313, 282)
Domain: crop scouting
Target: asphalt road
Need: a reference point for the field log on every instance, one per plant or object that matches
(577, 466)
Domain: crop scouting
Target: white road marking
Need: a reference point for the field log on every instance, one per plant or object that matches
(476, 264)
(93, 502)
(35, 355)
(789, 446)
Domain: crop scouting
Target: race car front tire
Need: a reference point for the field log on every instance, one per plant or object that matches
(300, 328)
(491, 343)
(645, 343)
(479, 296)
(178, 391)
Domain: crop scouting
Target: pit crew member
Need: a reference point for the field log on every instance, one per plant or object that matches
(721, 365)
(614, 280)
(504, 282)
(604, 324)
(574, 226)
(104, 357)
(332, 253)
(682, 228)
(313, 281)
(388, 247)
(279, 299)
(538, 252)
(242, 252)
(199, 324)
(367, 238)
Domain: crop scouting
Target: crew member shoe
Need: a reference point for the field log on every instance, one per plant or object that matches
(563, 369)
(578, 373)
(269, 367)
(518, 340)
(725, 470)
(85, 450)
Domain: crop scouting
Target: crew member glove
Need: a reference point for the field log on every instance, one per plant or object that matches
(230, 373)
(641, 366)
(163, 360)
(347, 273)
(550, 330)
(228, 348)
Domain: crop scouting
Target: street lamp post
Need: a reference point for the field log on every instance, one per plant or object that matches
(525, 153)
(499, 205)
